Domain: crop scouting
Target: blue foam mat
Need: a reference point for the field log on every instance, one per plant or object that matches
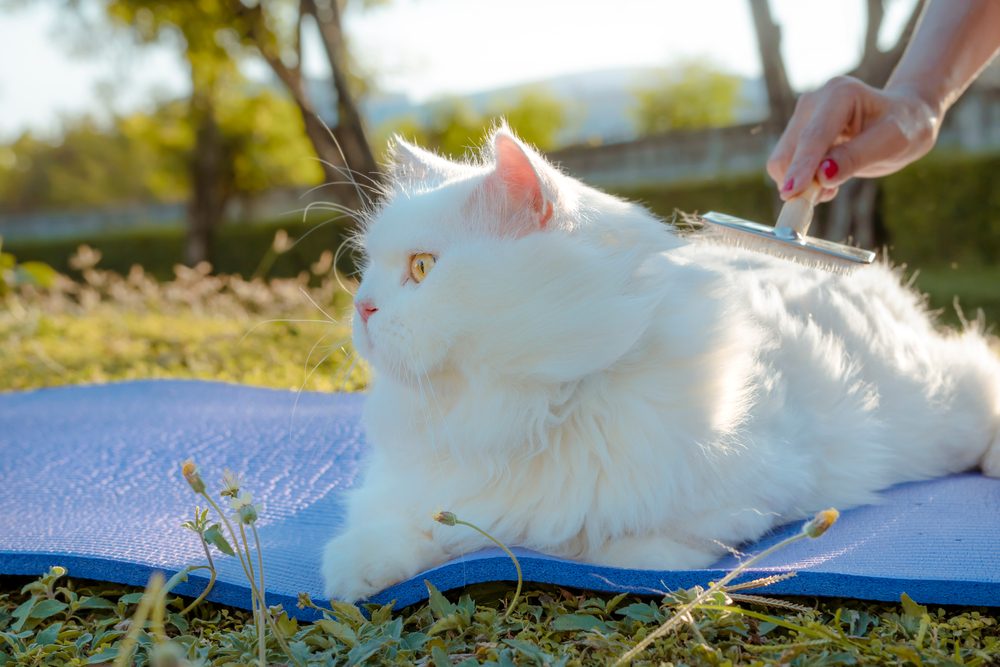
(89, 479)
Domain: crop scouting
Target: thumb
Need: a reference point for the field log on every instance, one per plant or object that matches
(880, 143)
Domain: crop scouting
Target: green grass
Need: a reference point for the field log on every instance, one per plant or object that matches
(77, 622)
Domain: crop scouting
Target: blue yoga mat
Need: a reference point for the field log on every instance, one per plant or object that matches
(90, 480)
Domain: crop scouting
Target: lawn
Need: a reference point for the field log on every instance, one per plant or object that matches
(111, 327)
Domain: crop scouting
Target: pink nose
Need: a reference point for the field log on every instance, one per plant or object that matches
(365, 309)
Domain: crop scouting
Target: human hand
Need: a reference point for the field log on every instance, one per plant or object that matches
(847, 128)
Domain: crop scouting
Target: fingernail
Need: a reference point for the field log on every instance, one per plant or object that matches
(829, 168)
(789, 184)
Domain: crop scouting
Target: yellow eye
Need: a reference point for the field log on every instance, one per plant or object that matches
(421, 266)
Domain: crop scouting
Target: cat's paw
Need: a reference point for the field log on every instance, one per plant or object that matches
(990, 463)
(357, 565)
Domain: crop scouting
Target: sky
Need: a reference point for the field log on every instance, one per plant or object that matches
(429, 48)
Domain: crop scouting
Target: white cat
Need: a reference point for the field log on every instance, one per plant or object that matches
(564, 370)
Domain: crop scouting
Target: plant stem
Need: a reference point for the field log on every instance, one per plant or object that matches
(258, 618)
(520, 578)
(681, 613)
(260, 572)
(211, 582)
(253, 585)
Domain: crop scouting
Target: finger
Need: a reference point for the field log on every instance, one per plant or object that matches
(781, 156)
(879, 144)
(827, 194)
(831, 116)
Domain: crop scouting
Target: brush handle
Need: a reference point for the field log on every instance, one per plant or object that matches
(797, 213)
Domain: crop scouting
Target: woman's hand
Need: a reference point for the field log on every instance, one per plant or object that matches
(847, 128)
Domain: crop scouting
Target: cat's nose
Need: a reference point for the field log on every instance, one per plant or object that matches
(365, 309)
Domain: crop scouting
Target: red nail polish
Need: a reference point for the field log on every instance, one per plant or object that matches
(789, 184)
(829, 168)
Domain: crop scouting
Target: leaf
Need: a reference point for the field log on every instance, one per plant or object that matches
(362, 652)
(95, 603)
(438, 603)
(348, 612)
(130, 598)
(765, 627)
(48, 635)
(530, 650)
(287, 626)
(22, 613)
(179, 622)
(614, 602)
(640, 611)
(40, 273)
(413, 641)
(383, 614)
(581, 622)
(104, 656)
(342, 632)
(439, 657)
(905, 652)
(911, 608)
(299, 651)
(213, 535)
(450, 622)
(47, 608)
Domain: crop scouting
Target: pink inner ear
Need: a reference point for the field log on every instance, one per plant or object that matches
(518, 176)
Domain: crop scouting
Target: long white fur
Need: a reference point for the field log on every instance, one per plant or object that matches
(599, 388)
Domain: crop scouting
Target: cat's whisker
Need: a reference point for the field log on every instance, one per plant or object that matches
(334, 346)
(328, 316)
(250, 330)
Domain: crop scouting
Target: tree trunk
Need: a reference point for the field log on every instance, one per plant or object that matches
(852, 212)
(350, 130)
(781, 99)
(209, 183)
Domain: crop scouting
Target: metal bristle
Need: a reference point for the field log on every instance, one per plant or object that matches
(805, 250)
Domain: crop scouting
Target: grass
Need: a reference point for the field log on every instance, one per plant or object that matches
(110, 327)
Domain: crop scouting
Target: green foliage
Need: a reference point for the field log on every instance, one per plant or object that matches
(13, 274)
(688, 96)
(239, 248)
(146, 156)
(197, 326)
(85, 623)
(455, 127)
(945, 209)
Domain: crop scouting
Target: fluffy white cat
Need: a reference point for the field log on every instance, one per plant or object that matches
(563, 369)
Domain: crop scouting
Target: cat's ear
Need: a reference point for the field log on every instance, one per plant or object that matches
(523, 184)
(417, 163)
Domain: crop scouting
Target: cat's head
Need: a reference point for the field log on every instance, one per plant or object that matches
(503, 267)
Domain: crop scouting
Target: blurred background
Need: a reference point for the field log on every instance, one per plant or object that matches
(157, 156)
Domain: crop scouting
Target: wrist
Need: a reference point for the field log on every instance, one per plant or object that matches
(924, 101)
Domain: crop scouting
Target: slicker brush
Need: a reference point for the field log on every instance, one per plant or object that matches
(787, 239)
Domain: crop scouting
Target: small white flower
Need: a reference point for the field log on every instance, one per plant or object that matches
(246, 511)
(230, 484)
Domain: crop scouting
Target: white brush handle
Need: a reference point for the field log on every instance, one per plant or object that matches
(797, 213)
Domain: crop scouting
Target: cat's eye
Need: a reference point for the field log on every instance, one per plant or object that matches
(421, 265)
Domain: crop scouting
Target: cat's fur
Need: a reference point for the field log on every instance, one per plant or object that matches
(575, 377)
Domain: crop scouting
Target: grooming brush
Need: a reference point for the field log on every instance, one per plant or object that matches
(787, 239)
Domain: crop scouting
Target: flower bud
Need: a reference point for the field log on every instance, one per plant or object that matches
(821, 522)
(447, 518)
(193, 476)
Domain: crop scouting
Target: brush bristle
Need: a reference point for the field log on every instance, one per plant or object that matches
(802, 254)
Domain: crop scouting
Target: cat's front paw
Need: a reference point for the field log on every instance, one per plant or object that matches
(357, 565)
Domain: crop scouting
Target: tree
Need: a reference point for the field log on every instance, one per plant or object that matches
(455, 126)
(692, 95)
(853, 210)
